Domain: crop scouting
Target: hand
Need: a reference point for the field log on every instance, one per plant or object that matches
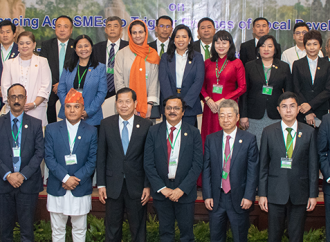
(28, 106)
(0, 92)
(305, 107)
(55, 86)
(15, 179)
(72, 182)
(244, 123)
(166, 192)
(102, 194)
(209, 204)
(311, 204)
(246, 203)
(218, 103)
(65, 186)
(263, 203)
(145, 196)
(212, 105)
(149, 111)
(310, 118)
(84, 115)
(176, 194)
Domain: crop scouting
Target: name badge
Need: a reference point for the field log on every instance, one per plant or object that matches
(172, 168)
(16, 152)
(267, 90)
(224, 175)
(80, 90)
(286, 163)
(70, 159)
(147, 76)
(110, 70)
(217, 88)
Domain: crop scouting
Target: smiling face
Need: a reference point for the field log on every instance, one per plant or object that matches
(222, 47)
(174, 111)
(113, 30)
(125, 105)
(6, 35)
(267, 50)
(260, 28)
(138, 34)
(63, 29)
(312, 48)
(83, 49)
(181, 40)
(228, 119)
(26, 46)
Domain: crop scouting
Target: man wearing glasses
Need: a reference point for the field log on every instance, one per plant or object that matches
(164, 30)
(298, 51)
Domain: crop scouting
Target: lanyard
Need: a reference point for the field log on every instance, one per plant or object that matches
(71, 144)
(295, 48)
(286, 149)
(168, 137)
(266, 72)
(204, 47)
(217, 72)
(224, 156)
(16, 137)
(79, 79)
(146, 56)
(3, 60)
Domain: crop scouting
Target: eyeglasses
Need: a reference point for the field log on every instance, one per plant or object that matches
(176, 109)
(164, 26)
(299, 33)
(14, 97)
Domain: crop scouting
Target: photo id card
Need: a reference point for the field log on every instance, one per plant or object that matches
(286, 163)
(267, 90)
(80, 90)
(110, 70)
(172, 165)
(70, 159)
(224, 175)
(16, 152)
(217, 88)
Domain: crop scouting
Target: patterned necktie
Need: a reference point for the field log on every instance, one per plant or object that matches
(226, 167)
(207, 52)
(111, 64)
(162, 50)
(15, 131)
(169, 148)
(288, 142)
(62, 58)
(124, 137)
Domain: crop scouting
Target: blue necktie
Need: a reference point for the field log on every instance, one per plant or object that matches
(61, 58)
(15, 131)
(124, 137)
(111, 64)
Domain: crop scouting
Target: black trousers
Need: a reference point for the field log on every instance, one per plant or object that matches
(51, 109)
(136, 213)
(327, 216)
(296, 216)
(20, 204)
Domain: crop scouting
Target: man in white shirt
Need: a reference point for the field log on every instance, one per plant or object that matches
(70, 155)
(298, 51)
(164, 28)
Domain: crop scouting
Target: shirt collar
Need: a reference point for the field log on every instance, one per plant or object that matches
(3, 48)
(299, 50)
(117, 43)
(256, 41)
(182, 56)
(232, 134)
(159, 42)
(130, 121)
(294, 126)
(68, 124)
(178, 126)
(312, 61)
(20, 117)
(203, 44)
(59, 43)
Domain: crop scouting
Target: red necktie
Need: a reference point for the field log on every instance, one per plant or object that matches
(169, 145)
(226, 167)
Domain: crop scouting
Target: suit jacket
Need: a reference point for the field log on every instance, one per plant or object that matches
(57, 147)
(153, 44)
(248, 51)
(300, 182)
(253, 103)
(113, 164)
(244, 168)
(13, 54)
(192, 82)
(317, 94)
(197, 46)
(100, 50)
(32, 153)
(190, 161)
(323, 145)
(94, 91)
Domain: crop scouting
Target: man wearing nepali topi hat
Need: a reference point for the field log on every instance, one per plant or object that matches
(70, 155)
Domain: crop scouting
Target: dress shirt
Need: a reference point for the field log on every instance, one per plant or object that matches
(116, 48)
(312, 67)
(256, 42)
(231, 144)
(5, 53)
(129, 126)
(159, 47)
(291, 55)
(59, 46)
(203, 49)
(180, 66)
(175, 153)
(16, 166)
(293, 132)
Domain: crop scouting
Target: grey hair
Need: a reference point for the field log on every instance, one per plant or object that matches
(228, 103)
(114, 18)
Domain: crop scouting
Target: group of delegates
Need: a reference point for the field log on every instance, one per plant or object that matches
(169, 76)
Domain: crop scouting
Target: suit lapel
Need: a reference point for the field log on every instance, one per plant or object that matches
(104, 51)
(88, 77)
(117, 134)
(187, 69)
(8, 130)
(318, 69)
(274, 70)
(261, 71)
(163, 134)
(279, 137)
(237, 147)
(34, 68)
(306, 70)
(218, 145)
(171, 65)
(55, 53)
(79, 136)
(14, 51)
(25, 129)
(185, 135)
(68, 52)
(298, 140)
(134, 136)
(65, 137)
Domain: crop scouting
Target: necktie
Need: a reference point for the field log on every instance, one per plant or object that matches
(111, 64)
(162, 50)
(124, 137)
(207, 52)
(169, 148)
(15, 131)
(288, 142)
(62, 57)
(226, 167)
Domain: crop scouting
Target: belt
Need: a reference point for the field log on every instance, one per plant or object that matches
(178, 90)
(171, 180)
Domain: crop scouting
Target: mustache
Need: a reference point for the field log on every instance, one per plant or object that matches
(17, 104)
(172, 114)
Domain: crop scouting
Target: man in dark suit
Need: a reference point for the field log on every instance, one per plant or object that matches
(21, 152)
(288, 178)
(8, 47)
(173, 161)
(164, 28)
(57, 51)
(248, 50)
(106, 51)
(70, 155)
(229, 185)
(206, 31)
(120, 175)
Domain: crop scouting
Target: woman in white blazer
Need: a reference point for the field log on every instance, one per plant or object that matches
(33, 73)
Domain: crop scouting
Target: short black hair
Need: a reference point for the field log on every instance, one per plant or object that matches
(164, 17)
(114, 18)
(171, 46)
(175, 97)
(64, 16)
(260, 18)
(313, 34)
(7, 22)
(15, 84)
(137, 22)
(223, 35)
(263, 39)
(205, 19)
(301, 24)
(126, 90)
(287, 95)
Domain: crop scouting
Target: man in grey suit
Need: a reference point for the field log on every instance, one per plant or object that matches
(288, 178)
